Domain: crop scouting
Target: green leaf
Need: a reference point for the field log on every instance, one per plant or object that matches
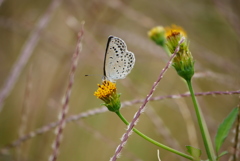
(194, 152)
(224, 128)
(222, 154)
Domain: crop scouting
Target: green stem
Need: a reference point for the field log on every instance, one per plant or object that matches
(203, 126)
(166, 50)
(153, 141)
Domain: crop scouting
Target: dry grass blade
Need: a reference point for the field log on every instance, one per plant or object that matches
(235, 154)
(65, 107)
(96, 111)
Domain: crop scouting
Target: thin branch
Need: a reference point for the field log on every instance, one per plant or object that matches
(141, 109)
(26, 52)
(235, 154)
(65, 107)
(100, 110)
(236, 140)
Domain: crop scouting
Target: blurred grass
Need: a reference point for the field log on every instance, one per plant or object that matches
(214, 43)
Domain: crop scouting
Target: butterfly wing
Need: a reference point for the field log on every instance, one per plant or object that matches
(118, 61)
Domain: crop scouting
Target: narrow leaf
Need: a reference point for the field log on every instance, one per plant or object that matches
(222, 154)
(194, 152)
(224, 128)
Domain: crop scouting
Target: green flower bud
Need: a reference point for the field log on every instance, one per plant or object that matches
(157, 34)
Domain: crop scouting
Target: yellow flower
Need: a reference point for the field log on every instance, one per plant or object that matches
(105, 90)
(174, 30)
(108, 93)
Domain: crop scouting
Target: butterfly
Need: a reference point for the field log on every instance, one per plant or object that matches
(118, 61)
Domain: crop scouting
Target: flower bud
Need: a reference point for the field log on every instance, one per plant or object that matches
(157, 34)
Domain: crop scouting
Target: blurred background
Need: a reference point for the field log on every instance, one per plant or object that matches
(38, 38)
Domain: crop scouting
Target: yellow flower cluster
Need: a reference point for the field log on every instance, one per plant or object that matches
(174, 30)
(168, 38)
(105, 90)
(161, 34)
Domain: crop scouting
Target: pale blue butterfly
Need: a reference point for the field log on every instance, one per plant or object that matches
(118, 61)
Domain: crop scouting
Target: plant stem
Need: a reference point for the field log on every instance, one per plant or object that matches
(166, 50)
(153, 141)
(203, 126)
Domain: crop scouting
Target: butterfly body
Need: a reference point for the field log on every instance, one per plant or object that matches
(118, 61)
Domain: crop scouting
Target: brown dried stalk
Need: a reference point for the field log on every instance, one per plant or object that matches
(235, 156)
(100, 110)
(236, 139)
(65, 107)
